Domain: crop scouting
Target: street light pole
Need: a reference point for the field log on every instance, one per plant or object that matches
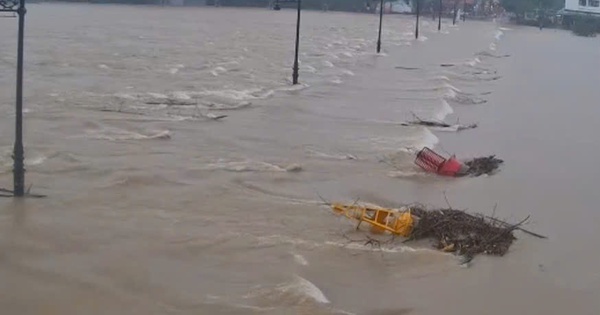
(380, 24)
(18, 6)
(295, 74)
(418, 12)
(454, 14)
(464, 13)
(440, 17)
(18, 154)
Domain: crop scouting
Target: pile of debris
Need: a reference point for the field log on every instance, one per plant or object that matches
(483, 165)
(457, 231)
(451, 230)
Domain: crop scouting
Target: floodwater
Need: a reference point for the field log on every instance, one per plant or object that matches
(154, 207)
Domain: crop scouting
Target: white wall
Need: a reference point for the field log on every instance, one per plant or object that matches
(573, 5)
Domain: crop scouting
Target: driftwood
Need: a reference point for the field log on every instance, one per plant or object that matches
(518, 228)
(488, 54)
(172, 102)
(434, 123)
(6, 193)
(120, 111)
(406, 68)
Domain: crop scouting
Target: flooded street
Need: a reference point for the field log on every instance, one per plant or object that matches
(155, 207)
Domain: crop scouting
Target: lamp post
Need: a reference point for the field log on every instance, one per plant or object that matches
(295, 74)
(418, 12)
(440, 17)
(18, 6)
(454, 14)
(380, 24)
(464, 13)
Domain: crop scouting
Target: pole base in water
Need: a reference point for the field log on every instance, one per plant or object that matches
(295, 75)
(18, 171)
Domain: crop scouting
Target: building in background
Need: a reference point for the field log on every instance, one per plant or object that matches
(582, 7)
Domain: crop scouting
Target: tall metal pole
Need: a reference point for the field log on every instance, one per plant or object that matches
(440, 17)
(418, 12)
(455, 9)
(380, 24)
(464, 13)
(18, 154)
(295, 75)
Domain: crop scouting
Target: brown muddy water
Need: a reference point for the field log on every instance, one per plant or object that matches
(154, 208)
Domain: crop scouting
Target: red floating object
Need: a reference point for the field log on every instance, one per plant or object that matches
(432, 162)
(429, 160)
(450, 168)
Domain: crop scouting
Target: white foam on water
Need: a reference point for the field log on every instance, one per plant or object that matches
(103, 66)
(347, 54)
(406, 174)
(328, 64)
(126, 96)
(450, 94)
(317, 153)
(391, 250)
(156, 95)
(309, 69)
(217, 71)
(229, 63)
(36, 160)
(348, 72)
(240, 95)
(422, 38)
(148, 107)
(293, 88)
(451, 87)
(33, 158)
(299, 259)
(505, 29)
(499, 34)
(444, 111)
(492, 46)
(334, 56)
(398, 249)
(180, 95)
(297, 291)
(427, 139)
(114, 134)
(336, 80)
(250, 166)
(307, 288)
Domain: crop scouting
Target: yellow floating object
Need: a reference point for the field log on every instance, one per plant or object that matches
(381, 219)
